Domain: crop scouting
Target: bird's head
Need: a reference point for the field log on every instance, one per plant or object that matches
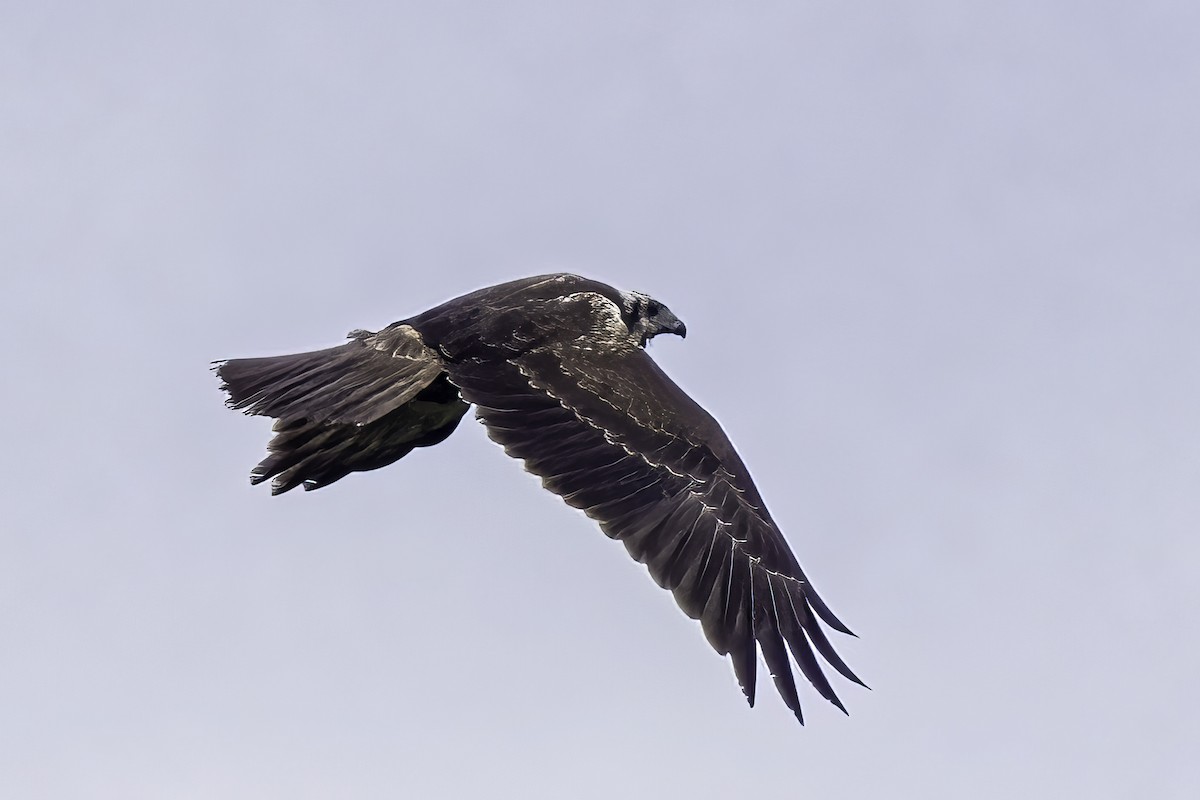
(647, 318)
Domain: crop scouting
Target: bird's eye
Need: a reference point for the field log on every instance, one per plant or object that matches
(652, 308)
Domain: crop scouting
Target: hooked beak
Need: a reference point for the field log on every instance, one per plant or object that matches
(669, 323)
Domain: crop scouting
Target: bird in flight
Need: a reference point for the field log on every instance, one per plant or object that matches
(556, 368)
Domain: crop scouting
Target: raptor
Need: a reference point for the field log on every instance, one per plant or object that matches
(556, 368)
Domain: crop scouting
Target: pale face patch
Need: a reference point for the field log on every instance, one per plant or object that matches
(642, 309)
(633, 302)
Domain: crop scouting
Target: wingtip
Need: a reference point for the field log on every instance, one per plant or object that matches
(826, 614)
(747, 693)
(838, 704)
(847, 673)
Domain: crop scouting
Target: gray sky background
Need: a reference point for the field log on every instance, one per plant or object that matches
(940, 266)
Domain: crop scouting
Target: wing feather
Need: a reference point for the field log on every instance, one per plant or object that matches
(737, 613)
(767, 631)
(613, 436)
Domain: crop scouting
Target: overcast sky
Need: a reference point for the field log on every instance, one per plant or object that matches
(940, 268)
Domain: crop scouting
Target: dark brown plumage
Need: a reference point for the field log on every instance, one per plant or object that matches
(556, 368)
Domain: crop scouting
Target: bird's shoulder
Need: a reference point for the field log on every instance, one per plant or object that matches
(550, 311)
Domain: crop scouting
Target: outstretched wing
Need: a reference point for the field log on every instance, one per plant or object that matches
(614, 436)
(352, 408)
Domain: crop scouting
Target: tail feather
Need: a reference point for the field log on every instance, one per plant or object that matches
(352, 408)
(359, 381)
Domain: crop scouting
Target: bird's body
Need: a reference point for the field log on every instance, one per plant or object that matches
(556, 368)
